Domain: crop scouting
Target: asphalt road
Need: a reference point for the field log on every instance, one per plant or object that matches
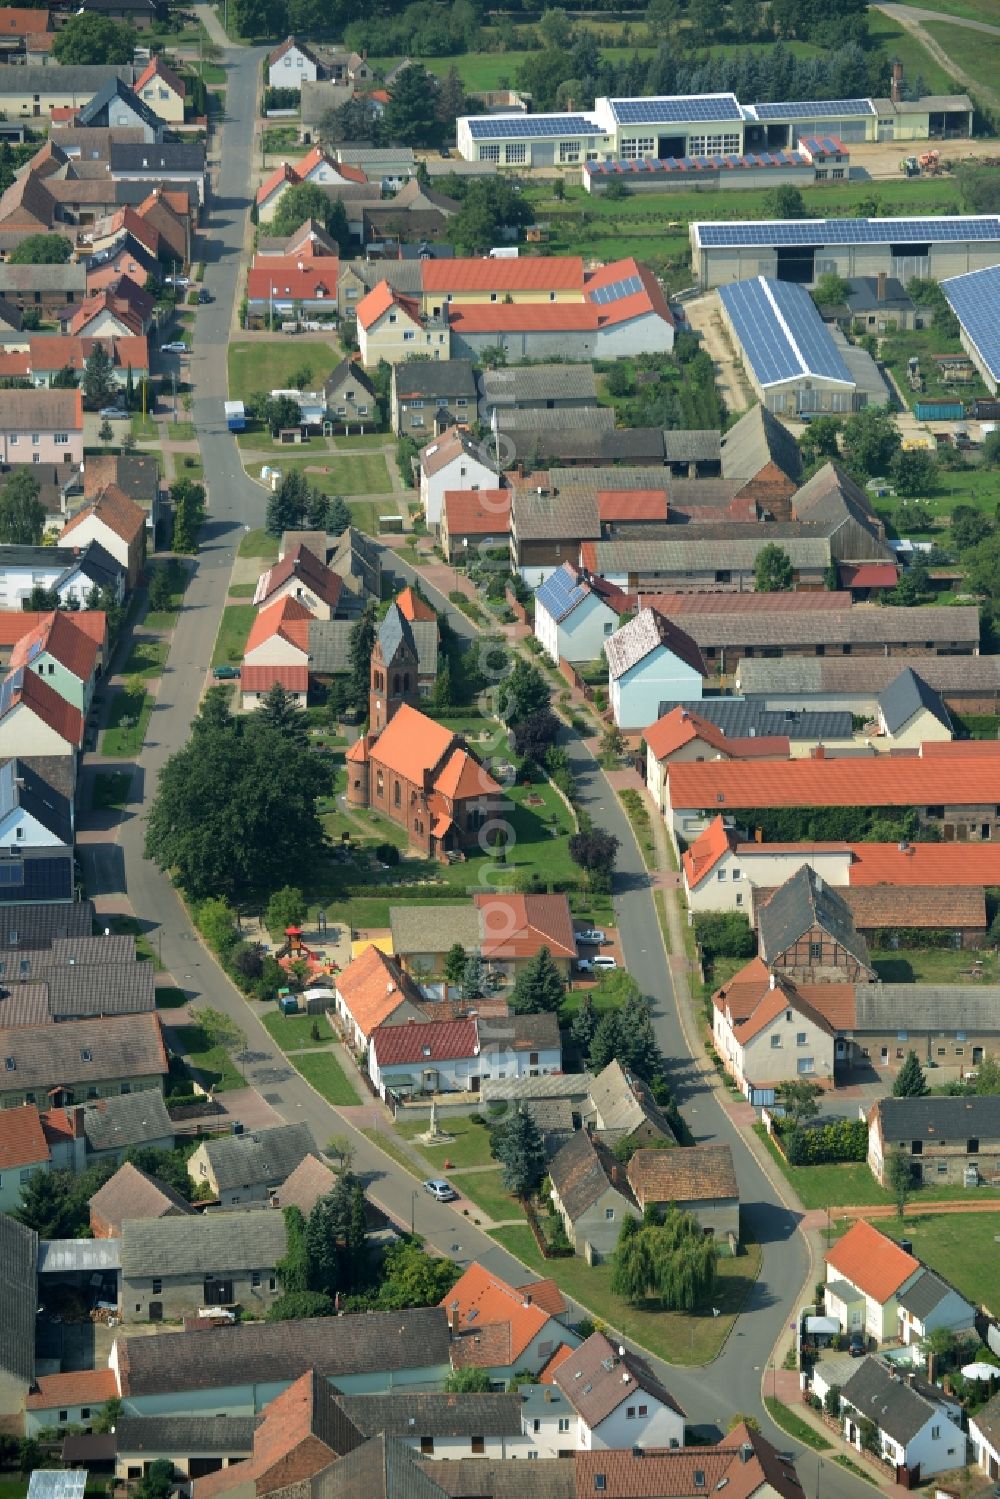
(711, 1395)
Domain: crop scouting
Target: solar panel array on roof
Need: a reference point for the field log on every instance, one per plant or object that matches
(505, 127)
(801, 109)
(683, 107)
(847, 232)
(615, 290)
(560, 593)
(9, 688)
(975, 300)
(782, 334)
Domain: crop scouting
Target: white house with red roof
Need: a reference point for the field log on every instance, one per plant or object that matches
(437, 1056)
(453, 461)
(685, 734)
(371, 990)
(291, 64)
(316, 167)
(502, 1328)
(23, 1151)
(279, 636)
(63, 654)
(163, 90)
(117, 524)
(302, 576)
(617, 1400)
(866, 1274)
(35, 720)
(635, 317)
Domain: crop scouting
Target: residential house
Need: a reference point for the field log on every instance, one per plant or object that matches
(134, 1195)
(441, 1425)
(50, 353)
(427, 398)
(540, 387)
(82, 1059)
(36, 838)
(170, 1267)
(575, 614)
(591, 1195)
(911, 714)
(117, 309)
(919, 1427)
(36, 928)
(474, 520)
(697, 1179)
(433, 1057)
(34, 92)
(117, 103)
(351, 398)
(370, 990)
(549, 524)
(984, 1434)
(303, 1187)
(194, 1446)
(168, 212)
(292, 64)
(117, 524)
(947, 1141)
(518, 1045)
(249, 1167)
(279, 636)
(357, 278)
(42, 426)
(35, 719)
(686, 733)
(806, 932)
(650, 661)
(317, 167)
(163, 90)
(137, 475)
(301, 576)
(453, 461)
(293, 289)
(16, 625)
(18, 1304)
(866, 1273)
(514, 928)
(768, 1030)
(763, 457)
(929, 1305)
(75, 1398)
(392, 327)
(620, 1108)
(244, 1366)
(967, 684)
(502, 1328)
(23, 1151)
(112, 1125)
(617, 1400)
(173, 171)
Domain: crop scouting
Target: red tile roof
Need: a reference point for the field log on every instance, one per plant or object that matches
(420, 1043)
(480, 1300)
(477, 512)
(411, 606)
(55, 351)
(516, 317)
(632, 504)
(527, 273)
(516, 926)
(707, 849)
(649, 299)
(317, 282)
(286, 617)
(15, 21)
(64, 640)
(745, 603)
(372, 987)
(86, 1387)
(379, 300)
(871, 1261)
(925, 864)
(285, 173)
(683, 725)
(22, 1139)
(263, 678)
(113, 508)
(884, 781)
(546, 1294)
(462, 776)
(560, 1356)
(868, 575)
(300, 562)
(46, 704)
(157, 68)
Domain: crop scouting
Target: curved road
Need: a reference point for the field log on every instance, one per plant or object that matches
(710, 1395)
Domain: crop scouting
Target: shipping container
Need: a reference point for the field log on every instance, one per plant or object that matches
(988, 409)
(939, 411)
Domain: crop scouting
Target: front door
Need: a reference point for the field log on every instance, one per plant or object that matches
(977, 1055)
(156, 1311)
(884, 1056)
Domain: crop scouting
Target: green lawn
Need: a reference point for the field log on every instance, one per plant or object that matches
(977, 53)
(242, 590)
(972, 10)
(111, 788)
(234, 627)
(130, 926)
(963, 1248)
(470, 1147)
(213, 1064)
(787, 1419)
(484, 1190)
(144, 427)
(326, 1075)
(123, 738)
(977, 487)
(676, 1336)
(934, 965)
(182, 431)
(352, 473)
(269, 364)
(259, 544)
(912, 54)
(292, 1031)
(146, 659)
(361, 442)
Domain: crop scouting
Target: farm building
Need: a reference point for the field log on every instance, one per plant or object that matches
(974, 299)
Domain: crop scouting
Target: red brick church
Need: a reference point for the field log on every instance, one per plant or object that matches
(415, 771)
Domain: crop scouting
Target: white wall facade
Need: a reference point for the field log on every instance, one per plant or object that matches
(660, 1426)
(939, 1445)
(728, 884)
(463, 472)
(581, 635)
(648, 334)
(499, 1061)
(291, 70)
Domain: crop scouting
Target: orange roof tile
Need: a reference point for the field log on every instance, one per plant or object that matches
(22, 1139)
(547, 1295)
(379, 300)
(706, 850)
(357, 754)
(86, 1387)
(518, 925)
(529, 273)
(46, 704)
(412, 606)
(157, 68)
(412, 744)
(632, 504)
(479, 1299)
(477, 512)
(560, 1356)
(871, 1261)
(61, 637)
(518, 317)
(288, 618)
(288, 1449)
(880, 782)
(263, 678)
(285, 173)
(113, 508)
(15, 21)
(372, 987)
(317, 281)
(463, 776)
(925, 864)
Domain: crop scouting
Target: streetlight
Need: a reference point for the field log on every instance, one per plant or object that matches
(413, 1210)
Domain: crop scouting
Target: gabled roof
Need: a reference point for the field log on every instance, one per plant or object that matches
(157, 68)
(477, 512)
(43, 408)
(462, 776)
(308, 569)
(756, 440)
(260, 679)
(454, 444)
(384, 1468)
(898, 1407)
(18, 1298)
(872, 1262)
(432, 377)
(742, 1464)
(413, 744)
(581, 1172)
(373, 986)
(22, 787)
(303, 1187)
(806, 900)
(347, 369)
(885, 781)
(77, 1387)
(379, 301)
(596, 1380)
(905, 696)
(936, 1118)
(210, 1242)
(287, 618)
(265, 1157)
(632, 504)
(623, 1102)
(564, 590)
(413, 607)
(114, 509)
(648, 631)
(22, 1139)
(695, 1173)
(711, 845)
(400, 1412)
(25, 688)
(479, 1300)
(927, 1292)
(487, 274)
(683, 725)
(134, 1194)
(290, 43)
(116, 88)
(517, 926)
(423, 1044)
(130, 1118)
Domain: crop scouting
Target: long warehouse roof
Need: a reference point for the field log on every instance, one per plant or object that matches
(958, 227)
(781, 333)
(975, 300)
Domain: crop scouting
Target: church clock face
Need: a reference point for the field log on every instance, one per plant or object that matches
(378, 705)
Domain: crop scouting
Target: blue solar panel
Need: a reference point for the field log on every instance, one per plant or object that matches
(615, 290)
(508, 127)
(560, 593)
(820, 232)
(682, 107)
(9, 689)
(781, 332)
(975, 301)
(807, 109)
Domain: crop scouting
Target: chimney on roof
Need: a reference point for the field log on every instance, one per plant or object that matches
(896, 88)
(772, 981)
(880, 282)
(819, 752)
(746, 1452)
(76, 1116)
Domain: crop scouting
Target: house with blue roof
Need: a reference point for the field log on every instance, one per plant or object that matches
(791, 358)
(574, 615)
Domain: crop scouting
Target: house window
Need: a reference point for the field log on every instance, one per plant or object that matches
(816, 951)
(64, 1415)
(563, 1423)
(972, 1146)
(804, 1066)
(478, 1444)
(644, 1410)
(379, 783)
(35, 439)
(60, 437)
(722, 874)
(630, 1413)
(600, 1482)
(775, 1041)
(427, 1446)
(942, 1168)
(609, 1213)
(739, 897)
(85, 1413)
(255, 1279)
(800, 1038)
(396, 801)
(916, 1147)
(157, 1285)
(25, 1176)
(935, 1433)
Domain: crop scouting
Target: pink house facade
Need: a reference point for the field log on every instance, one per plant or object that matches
(41, 426)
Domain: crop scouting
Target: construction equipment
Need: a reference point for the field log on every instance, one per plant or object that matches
(909, 166)
(930, 163)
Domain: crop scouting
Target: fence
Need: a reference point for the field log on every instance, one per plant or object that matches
(523, 615)
(573, 677)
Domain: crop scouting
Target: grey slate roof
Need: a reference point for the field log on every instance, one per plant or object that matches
(36, 927)
(581, 1173)
(95, 112)
(116, 947)
(701, 547)
(803, 901)
(946, 674)
(42, 79)
(862, 624)
(539, 382)
(926, 1007)
(68, 276)
(926, 1292)
(404, 276)
(54, 1055)
(382, 1468)
(268, 1156)
(937, 1118)
(571, 1085)
(329, 642)
(570, 515)
(434, 928)
(739, 719)
(906, 695)
(80, 990)
(178, 1435)
(18, 1298)
(682, 445)
(428, 377)
(596, 419)
(20, 786)
(756, 440)
(593, 1380)
(644, 633)
(265, 1352)
(130, 1119)
(210, 1242)
(165, 157)
(623, 1102)
(358, 560)
(497, 1478)
(403, 1412)
(897, 1408)
(347, 369)
(394, 632)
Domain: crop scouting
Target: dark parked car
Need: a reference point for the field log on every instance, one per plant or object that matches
(225, 673)
(857, 1347)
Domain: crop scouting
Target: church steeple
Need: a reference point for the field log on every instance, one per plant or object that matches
(394, 670)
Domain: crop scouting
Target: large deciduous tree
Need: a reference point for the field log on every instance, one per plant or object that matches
(22, 514)
(87, 39)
